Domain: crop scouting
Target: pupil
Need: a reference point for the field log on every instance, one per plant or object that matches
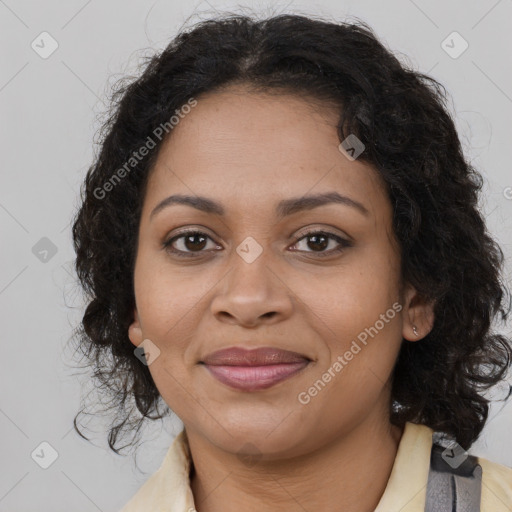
(192, 237)
(315, 242)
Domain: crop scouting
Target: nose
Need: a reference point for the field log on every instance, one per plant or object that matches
(251, 294)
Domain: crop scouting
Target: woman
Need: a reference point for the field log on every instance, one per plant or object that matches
(280, 239)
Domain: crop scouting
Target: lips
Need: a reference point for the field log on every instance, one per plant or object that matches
(235, 356)
(254, 370)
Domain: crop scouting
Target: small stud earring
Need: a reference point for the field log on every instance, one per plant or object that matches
(415, 330)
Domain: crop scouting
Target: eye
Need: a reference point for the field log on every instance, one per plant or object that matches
(191, 242)
(320, 240)
(194, 241)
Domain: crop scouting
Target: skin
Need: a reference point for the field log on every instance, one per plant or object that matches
(249, 151)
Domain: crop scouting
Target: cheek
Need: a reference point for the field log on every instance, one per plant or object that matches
(166, 305)
(356, 312)
(350, 299)
(166, 298)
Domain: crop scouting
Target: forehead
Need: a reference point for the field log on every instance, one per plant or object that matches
(242, 148)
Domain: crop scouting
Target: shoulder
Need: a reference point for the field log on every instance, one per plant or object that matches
(169, 487)
(496, 486)
(145, 494)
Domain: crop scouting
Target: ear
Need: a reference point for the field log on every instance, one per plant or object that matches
(135, 330)
(417, 312)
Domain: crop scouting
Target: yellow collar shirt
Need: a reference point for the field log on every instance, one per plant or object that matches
(168, 489)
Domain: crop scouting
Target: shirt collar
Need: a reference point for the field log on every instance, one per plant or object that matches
(406, 489)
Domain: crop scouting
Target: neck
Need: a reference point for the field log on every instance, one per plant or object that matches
(351, 469)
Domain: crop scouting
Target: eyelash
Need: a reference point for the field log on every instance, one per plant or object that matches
(167, 245)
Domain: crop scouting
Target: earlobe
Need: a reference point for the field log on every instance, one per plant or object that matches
(135, 330)
(418, 315)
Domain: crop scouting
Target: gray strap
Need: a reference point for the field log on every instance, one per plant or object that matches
(454, 481)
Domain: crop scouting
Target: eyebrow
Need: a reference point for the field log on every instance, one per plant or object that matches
(284, 208)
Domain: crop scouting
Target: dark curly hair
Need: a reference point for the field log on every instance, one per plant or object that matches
(402, 118)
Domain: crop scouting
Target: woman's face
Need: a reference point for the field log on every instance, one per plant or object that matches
(254, 279)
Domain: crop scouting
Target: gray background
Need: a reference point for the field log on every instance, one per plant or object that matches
(50, 111)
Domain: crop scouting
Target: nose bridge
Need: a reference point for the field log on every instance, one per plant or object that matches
(252, 287)
(250, 264)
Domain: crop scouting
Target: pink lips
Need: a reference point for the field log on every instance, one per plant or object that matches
(251, 370)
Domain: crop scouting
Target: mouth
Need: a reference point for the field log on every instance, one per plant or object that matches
(252, 370)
